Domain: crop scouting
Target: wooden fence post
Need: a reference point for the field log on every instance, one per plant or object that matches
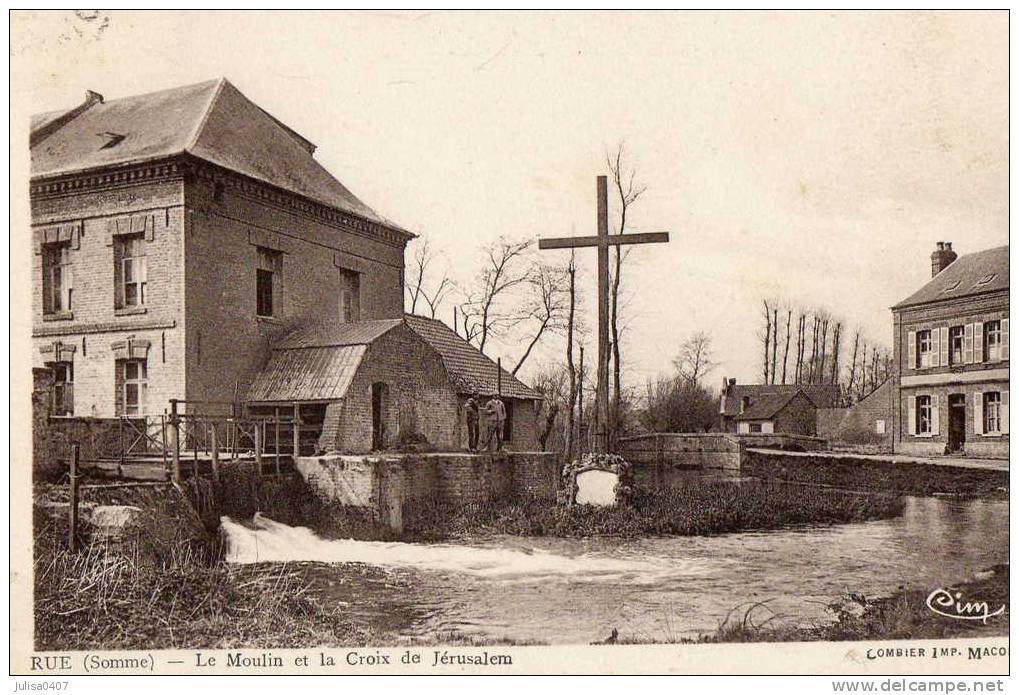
(72, 531)
(297, 431)
(215, 453)
(120, 436)
(166, 463)
(259, 439)
(276, 441)
(175, 436)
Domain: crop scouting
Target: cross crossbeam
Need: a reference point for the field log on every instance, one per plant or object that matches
(602, 242)
(574, 242)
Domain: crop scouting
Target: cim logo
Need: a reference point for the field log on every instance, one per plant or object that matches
(951, 605)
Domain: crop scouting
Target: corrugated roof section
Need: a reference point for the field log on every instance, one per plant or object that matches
(972, 274)
(335, 333)
(309, 374)
(470, 370)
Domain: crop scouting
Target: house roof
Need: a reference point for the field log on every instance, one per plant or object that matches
(318, 361)
(211, 120)
(311, 374)
(777, 396)
(972, 274)
(470, 370)
(768, 405)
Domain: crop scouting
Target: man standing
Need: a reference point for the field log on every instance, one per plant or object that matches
(471, 408)
(495, 418)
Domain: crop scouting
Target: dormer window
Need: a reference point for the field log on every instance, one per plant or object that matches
(985, 279)
(112, 139)
(952, 286)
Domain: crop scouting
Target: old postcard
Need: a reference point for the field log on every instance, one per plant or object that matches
(513, 342)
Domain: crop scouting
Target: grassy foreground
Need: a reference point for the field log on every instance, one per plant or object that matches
(702, 509)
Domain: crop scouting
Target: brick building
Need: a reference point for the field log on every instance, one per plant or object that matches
(774, 408)
(178, 236)
(868, 421)
(951, 356)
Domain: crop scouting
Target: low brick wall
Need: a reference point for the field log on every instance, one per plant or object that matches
(666, 459)
(388, 482)
(789, 442)
(882, 474)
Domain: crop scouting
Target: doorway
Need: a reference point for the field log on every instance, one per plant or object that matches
(380, 397)
(956, 422)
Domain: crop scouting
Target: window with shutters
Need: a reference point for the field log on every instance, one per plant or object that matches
(755, 427)
(992, 412)
(63, 387)
(131, 270)
(56, 278)
(956, 345)
(924, 415)
(992, 341)
(268, 276)
(924, 349)
(132, 386)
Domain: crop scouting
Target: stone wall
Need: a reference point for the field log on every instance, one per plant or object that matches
(779, 440)
(390, 482)
(668, 459)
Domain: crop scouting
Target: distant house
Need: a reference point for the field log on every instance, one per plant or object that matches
(774, 408)
(951, 356)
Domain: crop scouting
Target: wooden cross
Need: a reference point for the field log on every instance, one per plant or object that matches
(602, 241)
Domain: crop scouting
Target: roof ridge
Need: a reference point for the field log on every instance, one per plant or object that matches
(197, 132)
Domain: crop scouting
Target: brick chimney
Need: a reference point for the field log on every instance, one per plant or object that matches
(942, 257)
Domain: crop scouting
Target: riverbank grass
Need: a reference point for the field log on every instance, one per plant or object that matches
(704, 508)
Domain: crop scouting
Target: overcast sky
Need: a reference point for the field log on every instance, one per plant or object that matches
(813, 156)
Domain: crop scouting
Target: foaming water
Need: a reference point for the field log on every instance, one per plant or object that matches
(265, 540)
(575, 590)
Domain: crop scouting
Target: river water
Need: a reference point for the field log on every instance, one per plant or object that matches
(575, 591)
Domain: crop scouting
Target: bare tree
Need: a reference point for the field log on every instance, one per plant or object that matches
(571, 274)
(547, 308)
(504, 269)
(852, 365)
(628, 192)
(695, 358)
(767, 338)
(785, 356)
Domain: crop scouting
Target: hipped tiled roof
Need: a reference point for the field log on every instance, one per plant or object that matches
(210, 120)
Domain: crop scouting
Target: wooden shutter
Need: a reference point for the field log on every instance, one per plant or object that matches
(944, 346)
(978, 413)
(967, 344)
(1003, 350)
(911, 350)
(935, 416)
(912, 415)
(118, 280)
(1004, 412)
(935, 347)
(978, 342)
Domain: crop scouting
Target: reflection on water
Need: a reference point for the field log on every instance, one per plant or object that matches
(576, 590)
